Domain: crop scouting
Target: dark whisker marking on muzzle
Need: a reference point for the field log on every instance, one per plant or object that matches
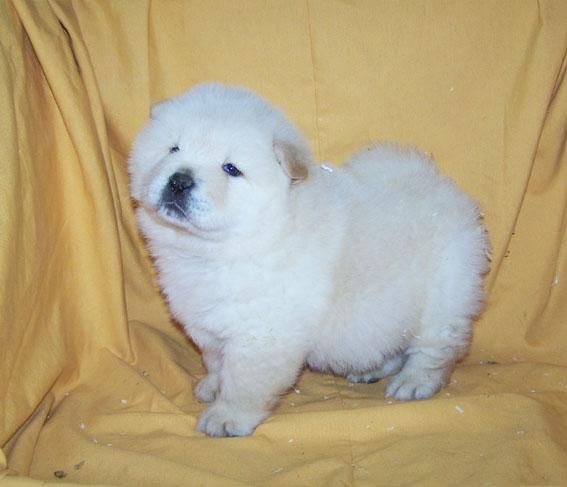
(172, 208)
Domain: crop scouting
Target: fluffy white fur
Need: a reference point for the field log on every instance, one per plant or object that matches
(371, 269)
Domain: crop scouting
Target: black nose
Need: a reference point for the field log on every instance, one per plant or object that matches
(179, 182)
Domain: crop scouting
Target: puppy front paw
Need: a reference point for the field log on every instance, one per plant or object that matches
(223, 419)
(207, 388)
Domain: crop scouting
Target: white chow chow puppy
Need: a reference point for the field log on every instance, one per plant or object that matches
(272, 262)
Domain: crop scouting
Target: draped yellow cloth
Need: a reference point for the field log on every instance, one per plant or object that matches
(95, 380)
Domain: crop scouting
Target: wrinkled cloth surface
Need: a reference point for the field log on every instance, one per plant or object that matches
(95, 379)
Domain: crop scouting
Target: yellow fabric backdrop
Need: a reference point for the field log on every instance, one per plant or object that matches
(95, 382)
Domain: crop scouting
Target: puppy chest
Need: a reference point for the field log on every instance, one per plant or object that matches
(235, 298)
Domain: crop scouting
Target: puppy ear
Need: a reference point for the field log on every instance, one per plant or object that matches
(157, 107)
(293, 159)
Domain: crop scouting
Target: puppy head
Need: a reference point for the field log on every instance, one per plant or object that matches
(216, 159)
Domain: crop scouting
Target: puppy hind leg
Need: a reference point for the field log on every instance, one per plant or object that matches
(454, 298)
(443, 339)
(425, 372)
(389, 366)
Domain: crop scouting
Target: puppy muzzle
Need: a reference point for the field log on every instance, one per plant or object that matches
(175, 195)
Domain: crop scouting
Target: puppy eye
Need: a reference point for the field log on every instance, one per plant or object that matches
(231, 170)
(173, 149)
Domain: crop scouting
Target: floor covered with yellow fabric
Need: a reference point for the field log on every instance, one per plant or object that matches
(95, 380)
